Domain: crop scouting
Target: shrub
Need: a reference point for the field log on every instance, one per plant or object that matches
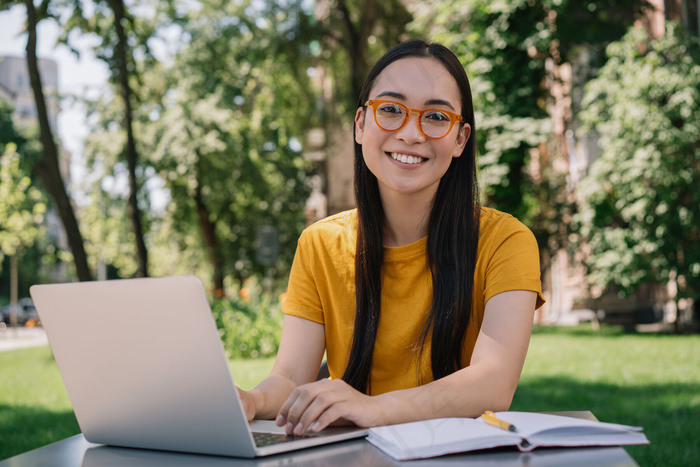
(640, 210)
(250, 324)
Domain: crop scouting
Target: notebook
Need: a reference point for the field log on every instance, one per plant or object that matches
(528, 431)
(144, 367)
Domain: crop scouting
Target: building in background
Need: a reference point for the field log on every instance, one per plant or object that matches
(14, 80)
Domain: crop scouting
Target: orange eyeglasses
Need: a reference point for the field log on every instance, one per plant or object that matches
(391, 116)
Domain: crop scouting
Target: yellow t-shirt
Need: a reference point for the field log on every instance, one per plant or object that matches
(322, 289)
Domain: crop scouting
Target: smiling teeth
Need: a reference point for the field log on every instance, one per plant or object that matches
(406, 159)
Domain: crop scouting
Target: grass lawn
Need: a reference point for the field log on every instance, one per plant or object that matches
(647, 380)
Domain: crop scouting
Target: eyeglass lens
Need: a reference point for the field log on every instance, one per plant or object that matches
(434, 123)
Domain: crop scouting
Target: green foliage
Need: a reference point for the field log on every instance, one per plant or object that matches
(8, 132)
(108, 239)
(96, 18)
(26, 140)
(22, 208)
(22, 228)
(26, 206)
(227, 141)
(640, 211)
(219, 126)
(352, 36)
(104, 221)
(250, 324)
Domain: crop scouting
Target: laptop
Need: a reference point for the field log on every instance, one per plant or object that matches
(144, 367)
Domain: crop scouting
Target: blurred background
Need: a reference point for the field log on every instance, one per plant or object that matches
(201, 137)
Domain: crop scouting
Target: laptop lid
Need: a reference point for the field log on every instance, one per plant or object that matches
(143, 365)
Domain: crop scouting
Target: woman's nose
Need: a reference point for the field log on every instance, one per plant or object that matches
(411, 131)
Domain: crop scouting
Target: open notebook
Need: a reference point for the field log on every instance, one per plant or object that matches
(442, 436)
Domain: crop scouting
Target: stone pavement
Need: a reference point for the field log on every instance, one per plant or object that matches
(21, 337)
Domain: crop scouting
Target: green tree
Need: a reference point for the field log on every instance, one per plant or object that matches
(352, 34)
(227, 141)
(27, 145)
(108, 236)
(120, 33)
(221, 123)
(47, 167)
(640, 212)
(21, 215)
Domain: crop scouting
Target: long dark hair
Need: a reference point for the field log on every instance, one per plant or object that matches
(453, 232)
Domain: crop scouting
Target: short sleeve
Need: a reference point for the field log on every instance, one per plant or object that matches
(303, 299)
(513, 261)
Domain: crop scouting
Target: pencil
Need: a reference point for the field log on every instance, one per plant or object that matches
(490, 418)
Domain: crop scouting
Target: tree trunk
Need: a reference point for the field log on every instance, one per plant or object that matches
(14, 286)
(677, 322)
(677, 326)
(47, 167)
(206, 226)
(133, 210)
(211, 242)
(357, 41)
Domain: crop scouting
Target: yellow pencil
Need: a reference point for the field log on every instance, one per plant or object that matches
(490, 418)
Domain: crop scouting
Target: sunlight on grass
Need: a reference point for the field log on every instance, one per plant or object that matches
(647, 380)
(35, 379)
(34, 406)
(248, 373)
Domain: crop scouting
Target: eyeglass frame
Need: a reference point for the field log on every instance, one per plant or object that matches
(453, 116)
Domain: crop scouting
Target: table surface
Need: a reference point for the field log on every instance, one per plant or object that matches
(76, 451)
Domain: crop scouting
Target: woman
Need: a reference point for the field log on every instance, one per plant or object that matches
(422, 300)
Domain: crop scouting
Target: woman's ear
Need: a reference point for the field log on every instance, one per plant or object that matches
(462, 138)
(359, 124)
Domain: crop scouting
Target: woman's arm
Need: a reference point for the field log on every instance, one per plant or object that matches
(298, 360)
(488, 383)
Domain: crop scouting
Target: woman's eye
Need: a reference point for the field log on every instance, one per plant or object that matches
(390, 109)
(436, 116)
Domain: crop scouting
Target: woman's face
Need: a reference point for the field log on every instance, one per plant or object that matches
(405, 161)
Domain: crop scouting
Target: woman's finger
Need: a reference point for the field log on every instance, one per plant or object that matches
(329, 416)
(320, 405)
(296, 404)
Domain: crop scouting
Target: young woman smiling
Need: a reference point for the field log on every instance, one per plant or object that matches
(422, 300)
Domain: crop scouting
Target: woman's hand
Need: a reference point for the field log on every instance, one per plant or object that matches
(299, 337)
(248, 403)
(317, 405)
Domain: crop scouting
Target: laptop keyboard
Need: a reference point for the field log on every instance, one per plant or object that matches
(268, 439)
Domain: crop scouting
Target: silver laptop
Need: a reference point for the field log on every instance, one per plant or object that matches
(144, 367)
